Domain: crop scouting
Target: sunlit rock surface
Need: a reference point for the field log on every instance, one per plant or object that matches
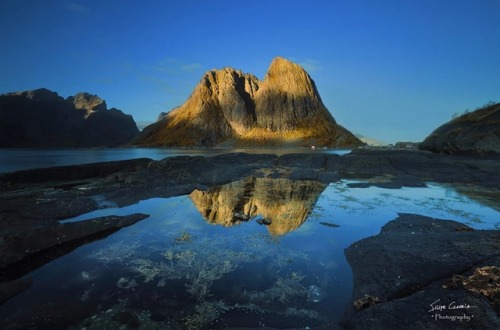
(284, 203)
(230, 108)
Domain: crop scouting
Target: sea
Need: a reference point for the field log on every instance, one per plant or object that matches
(23, 159)
(254, 253)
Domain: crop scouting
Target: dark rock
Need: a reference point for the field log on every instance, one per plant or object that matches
(60, 314)
(415, 312)
(328, 177)
(25, 248)
(476, 132)
(404, 265)
(329, 224)
(303, 174)
(309, 161)
(127, 319)
(36, 199)
(264, 221)
(74, 172)
(11, 288)
(41, 118)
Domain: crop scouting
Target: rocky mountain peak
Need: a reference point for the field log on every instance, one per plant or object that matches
(285, 75)
(288, 98)
(88, 102)
(43, 95)
(42, 118)
(233, 108)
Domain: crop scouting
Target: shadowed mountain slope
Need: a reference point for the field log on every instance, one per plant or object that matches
(476, 132)
(41, 118)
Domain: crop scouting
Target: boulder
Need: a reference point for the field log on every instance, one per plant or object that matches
(405, 271)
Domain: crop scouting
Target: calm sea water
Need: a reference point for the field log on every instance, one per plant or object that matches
(22, 159)
(203, 261)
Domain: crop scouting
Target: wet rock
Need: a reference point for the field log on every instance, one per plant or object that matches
(405, 266)
(24, 250)
(310, 161)
(484, 281)
(32, 201)
(365, 302)
(11, 288)
(53, 315)
(329, 224)
(264, 221)
(74, 172)
(127, 319)
(303, 174)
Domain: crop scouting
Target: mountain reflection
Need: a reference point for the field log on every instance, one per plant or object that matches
(286, 203)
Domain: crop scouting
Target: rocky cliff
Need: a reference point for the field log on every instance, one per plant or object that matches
(41, 118)
(230, 108)
(476, 132)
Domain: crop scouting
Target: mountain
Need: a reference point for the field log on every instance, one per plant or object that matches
(41, 118)
(476, 132)
(233, 109)
(371, 141)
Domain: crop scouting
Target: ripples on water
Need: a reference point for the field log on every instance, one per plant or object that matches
(203, 261)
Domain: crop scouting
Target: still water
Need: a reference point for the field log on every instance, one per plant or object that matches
(257, 252)
(23, 159)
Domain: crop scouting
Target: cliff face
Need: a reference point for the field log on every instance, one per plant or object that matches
(234, 109)
(41, 118)
(477, 132)
(288, 98)
(286, 203)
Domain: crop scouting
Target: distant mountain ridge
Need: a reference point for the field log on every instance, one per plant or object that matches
(233, 109)
(42, 118)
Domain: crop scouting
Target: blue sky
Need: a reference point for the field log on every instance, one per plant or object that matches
(392, 70)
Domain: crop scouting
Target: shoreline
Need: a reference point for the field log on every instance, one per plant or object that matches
(41, 197)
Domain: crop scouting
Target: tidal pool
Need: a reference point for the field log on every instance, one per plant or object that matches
(253, 253)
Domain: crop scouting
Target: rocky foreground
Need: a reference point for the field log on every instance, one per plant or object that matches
(413, 265)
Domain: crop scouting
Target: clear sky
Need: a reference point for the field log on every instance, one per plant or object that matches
(392, 70)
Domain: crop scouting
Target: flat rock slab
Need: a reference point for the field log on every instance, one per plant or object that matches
(11, 288)
(402, 270)
(20, 250)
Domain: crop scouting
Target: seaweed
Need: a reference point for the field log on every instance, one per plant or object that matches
(120, 253)
(204, 313)
(284, 291)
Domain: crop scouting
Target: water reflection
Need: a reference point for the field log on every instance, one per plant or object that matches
(284, 204)
(175, 271)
